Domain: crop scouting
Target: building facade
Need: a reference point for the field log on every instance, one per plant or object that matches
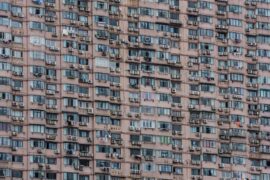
(134, 89)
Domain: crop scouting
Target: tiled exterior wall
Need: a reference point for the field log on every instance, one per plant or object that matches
(134, 89)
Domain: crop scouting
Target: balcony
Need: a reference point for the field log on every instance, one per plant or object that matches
(136, 143)
(135, 172)
(49, 5)
(254, 141)
(221, 13)
(221, 28)
(224, 151)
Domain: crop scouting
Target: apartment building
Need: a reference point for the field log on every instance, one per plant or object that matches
(134, 89)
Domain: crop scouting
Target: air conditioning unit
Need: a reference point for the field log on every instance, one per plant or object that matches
(195, 93)
(112, 98)
(81, 168)
(255, 99)
(83, 123)
(40, 165)
(113, 113)
(49, 4)
(132, 128)
(14, 148)
(226, 96)
(15, 118)
(80, 67)
(14, 133)
(258, 169)
(194, 162)
(73, 22)
(90, 110)
(21, 118)
(119, 113)
(51, 137)
(89, 139)
(221, 165)
(50, 92)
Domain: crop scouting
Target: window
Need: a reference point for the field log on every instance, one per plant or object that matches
(209, 172)
(226, 160)
(37, 159)
(146, 11)
(235, 9)
(235, 22)
(209, 143)
(4, 6)
(146, 25)
(238, 160)
(17, 158)
(5, 172)
(209, 158)
(205, 5)
(70, 176)
(195, 172)
(17, 174)
(205, 19)
(263, 12)
(51, 176)
(237, 77)
(206, 32)
(165, 168)
(37, 128)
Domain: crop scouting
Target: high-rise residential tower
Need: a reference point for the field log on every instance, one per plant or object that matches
(135, 89)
